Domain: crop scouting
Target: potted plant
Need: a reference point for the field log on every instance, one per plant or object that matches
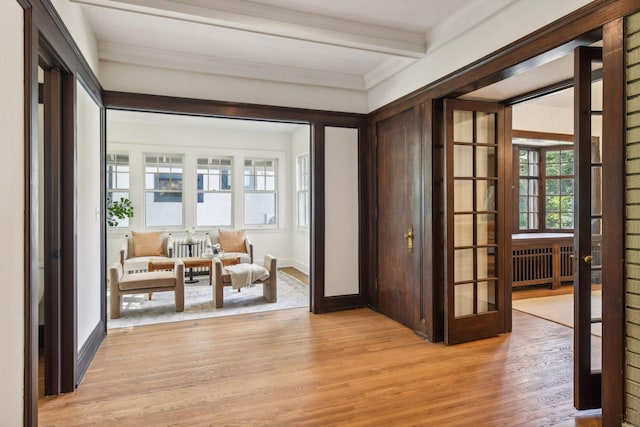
(118, 210)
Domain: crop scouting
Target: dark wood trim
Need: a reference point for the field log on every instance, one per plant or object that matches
(51, 256)
(363, 217)
(439, 209)
(89, 349)
(339, 302)
(317, 217)
(530, 134)
(68, 244)
(237, 110)
(582, 26)
(31, 273)
(613, 293)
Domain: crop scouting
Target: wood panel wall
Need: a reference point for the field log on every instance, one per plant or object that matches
(632, 223)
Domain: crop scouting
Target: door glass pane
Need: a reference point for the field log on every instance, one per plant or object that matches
(486, 125)
(596, 190)
(463, 230)
(486, 262)
(463, 299)
(486, 161)
(486, 195)
(486, 229)
(486, 296)
(463, 195)
(462, 160)
(463, 265)
(462, 126)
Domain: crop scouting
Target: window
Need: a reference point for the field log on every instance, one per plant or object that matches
(559, 189)
(528, 212)
(214, 191)
(163, 190)
(545, 188)
(303, 186)
(260, 193)
(118, 182)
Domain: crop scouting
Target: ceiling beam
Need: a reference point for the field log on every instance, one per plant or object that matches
(264, 19)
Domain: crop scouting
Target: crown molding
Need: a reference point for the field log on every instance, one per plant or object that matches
(264, 19)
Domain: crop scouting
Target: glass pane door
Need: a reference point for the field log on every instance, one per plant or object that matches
(475, 284)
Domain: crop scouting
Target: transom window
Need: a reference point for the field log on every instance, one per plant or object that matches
(214, 205)
(163, 189)
(260, 195)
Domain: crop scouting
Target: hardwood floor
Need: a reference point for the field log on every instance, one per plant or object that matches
(294, 272)
(291, 367)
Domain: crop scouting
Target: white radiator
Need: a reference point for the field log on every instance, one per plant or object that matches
(180, 250)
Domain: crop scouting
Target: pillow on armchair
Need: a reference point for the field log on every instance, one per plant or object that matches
(148, 244)
(233, 241)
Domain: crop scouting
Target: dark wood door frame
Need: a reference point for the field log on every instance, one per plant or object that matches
(47, 41)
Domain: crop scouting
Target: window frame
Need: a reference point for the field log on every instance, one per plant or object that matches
(563, 142)
(303, 188)
(115, 189)
(145, 190)
(275, 192)
(229, 191)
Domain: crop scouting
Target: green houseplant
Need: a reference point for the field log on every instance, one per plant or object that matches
(118, 210)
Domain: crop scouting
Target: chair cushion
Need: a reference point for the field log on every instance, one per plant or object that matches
(148, 244)
(233, 241)
(148, 280)
(141, 264)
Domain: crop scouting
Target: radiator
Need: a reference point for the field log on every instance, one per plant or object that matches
(182, 251)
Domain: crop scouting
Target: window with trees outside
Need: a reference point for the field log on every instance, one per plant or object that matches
(303, 187)
(214, 191)
(163, 189)
(118, 182)
(260, 195)
(545, 176)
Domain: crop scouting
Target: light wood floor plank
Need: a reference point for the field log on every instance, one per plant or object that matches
(293, 368)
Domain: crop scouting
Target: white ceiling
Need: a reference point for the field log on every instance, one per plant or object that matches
(351, 44)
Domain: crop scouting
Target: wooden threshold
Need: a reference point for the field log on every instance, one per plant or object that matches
(291, 367)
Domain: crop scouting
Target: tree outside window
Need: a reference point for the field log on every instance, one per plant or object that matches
(545, 188)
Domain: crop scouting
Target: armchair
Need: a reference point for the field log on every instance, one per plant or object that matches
(234, 243)
(140, 248)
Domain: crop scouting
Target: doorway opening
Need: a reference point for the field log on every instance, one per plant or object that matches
(192, 178)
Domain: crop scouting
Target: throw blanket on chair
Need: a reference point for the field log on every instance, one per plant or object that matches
(246, 274)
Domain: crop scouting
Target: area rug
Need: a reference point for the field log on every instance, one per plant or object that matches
(138, 310)
(559, 309)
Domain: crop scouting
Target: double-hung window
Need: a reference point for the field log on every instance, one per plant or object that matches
(163, 189)
(117, 184)
(303, 187)
(214, 191)
(260, 191)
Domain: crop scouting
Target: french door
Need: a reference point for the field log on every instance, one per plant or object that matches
(476, 220)
(588, 272)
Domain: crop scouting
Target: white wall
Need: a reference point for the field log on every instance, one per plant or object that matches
(157, 81)
(301, 238)
(12, 214)
(341, 212)
(542, 118)
(516, 20)
(88, 214)
(136, 139)
(75, 21)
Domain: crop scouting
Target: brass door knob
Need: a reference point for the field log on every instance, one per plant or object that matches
(588, 259)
